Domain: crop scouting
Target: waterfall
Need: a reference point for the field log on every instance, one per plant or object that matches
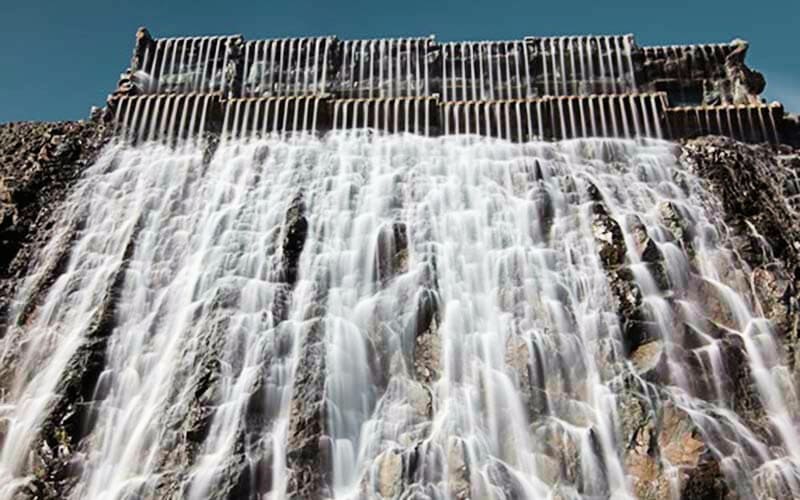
(385, 68)
(437, 316)
(276, 68)
(181, 65)
(474, 71)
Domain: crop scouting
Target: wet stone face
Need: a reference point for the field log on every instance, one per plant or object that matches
(380, 316)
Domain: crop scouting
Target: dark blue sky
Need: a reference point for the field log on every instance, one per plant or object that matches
(58, 58)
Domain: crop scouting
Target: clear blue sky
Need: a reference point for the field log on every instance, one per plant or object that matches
(58, 58)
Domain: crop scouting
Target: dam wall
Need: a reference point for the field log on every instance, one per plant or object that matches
(538, 88)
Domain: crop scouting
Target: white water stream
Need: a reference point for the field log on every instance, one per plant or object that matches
(512, 390)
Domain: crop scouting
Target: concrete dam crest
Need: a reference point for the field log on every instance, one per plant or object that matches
(539, 88)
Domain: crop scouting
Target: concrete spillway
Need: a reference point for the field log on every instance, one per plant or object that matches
(175, 117)
(547, 88)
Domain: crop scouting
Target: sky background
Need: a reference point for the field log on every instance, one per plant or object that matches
(58, 58)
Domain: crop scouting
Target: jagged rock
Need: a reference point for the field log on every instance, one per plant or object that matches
(609, 239)
(39, 163)
(627, 295)
(751, 191)
(774, 297)
(419, 398)
(664, 451)
(188, 424)
(747, 83)
(705, 481)
(457, 469)
(427, 356)
(68, 421)
(307, 471)
(560, 446)
(294, 238)
(390, 473)
(428, 348)
(678, 223)
(650, 361)
(753, 195)
(391, 250)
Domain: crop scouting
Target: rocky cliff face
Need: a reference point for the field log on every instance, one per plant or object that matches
(39, 162)
(757, 187)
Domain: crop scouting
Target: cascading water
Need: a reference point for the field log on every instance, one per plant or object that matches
(367, 315)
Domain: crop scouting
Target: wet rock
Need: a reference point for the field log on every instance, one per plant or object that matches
(753, 184)
(648, 251)
(39, 163)
(739, 386)
(650, 361)
(390, 473)
(295, 230)
(770, 483)
(562, 448)
(428, 348)
(774, 293)
(427, 356)
(419, 398)
(544, 211)
(750, 188)
(504, 480)
(664, 450)
(705, 481)
(457, 469)
(608, 237)
(628, 297)
(391, 251)
(517, 361)
(307, 474)
(678, 223)
(68, 420)
(189, 423)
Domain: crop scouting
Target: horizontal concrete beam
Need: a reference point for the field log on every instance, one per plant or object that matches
(173, 117)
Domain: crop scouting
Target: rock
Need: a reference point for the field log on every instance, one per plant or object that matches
(391, 252)
(427, 356)
(562, 447)
(457, 469)
(705, 481)
(608, 237)
(774, 296)
(390, 473)
(428, 348)
(419, 397)
(663, 451)
(650, 361)
(295, 230)
(39, 163)
(627, 295)
(678, 223)
(752, 193)
(307, 472)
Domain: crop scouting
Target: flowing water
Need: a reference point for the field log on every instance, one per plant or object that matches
(462, 292)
